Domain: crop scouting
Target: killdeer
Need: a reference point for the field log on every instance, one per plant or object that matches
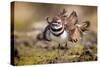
(63, 28)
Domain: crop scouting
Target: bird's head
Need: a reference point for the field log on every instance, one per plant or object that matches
(55, 22)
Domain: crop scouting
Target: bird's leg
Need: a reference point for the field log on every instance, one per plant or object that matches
(58, 50)
(59, 46)
(66, 47)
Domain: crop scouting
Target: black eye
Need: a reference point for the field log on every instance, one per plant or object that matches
(64, 16)
(58, 22)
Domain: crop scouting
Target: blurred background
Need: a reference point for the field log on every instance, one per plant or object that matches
(30, 19)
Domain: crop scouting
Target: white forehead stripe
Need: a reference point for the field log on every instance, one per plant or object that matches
(57, 27)
(58, 20)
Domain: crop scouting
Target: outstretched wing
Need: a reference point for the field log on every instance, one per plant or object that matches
(71, 25)
(76, 33)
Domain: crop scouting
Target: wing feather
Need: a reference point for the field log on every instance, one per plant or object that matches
(71, 22)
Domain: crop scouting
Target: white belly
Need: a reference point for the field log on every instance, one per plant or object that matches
(60, 39)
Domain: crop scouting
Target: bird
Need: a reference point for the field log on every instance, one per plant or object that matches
(63, 28)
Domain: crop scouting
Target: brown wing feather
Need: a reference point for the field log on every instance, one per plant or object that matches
(71, 21)
(75, 34)
(85, 25)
